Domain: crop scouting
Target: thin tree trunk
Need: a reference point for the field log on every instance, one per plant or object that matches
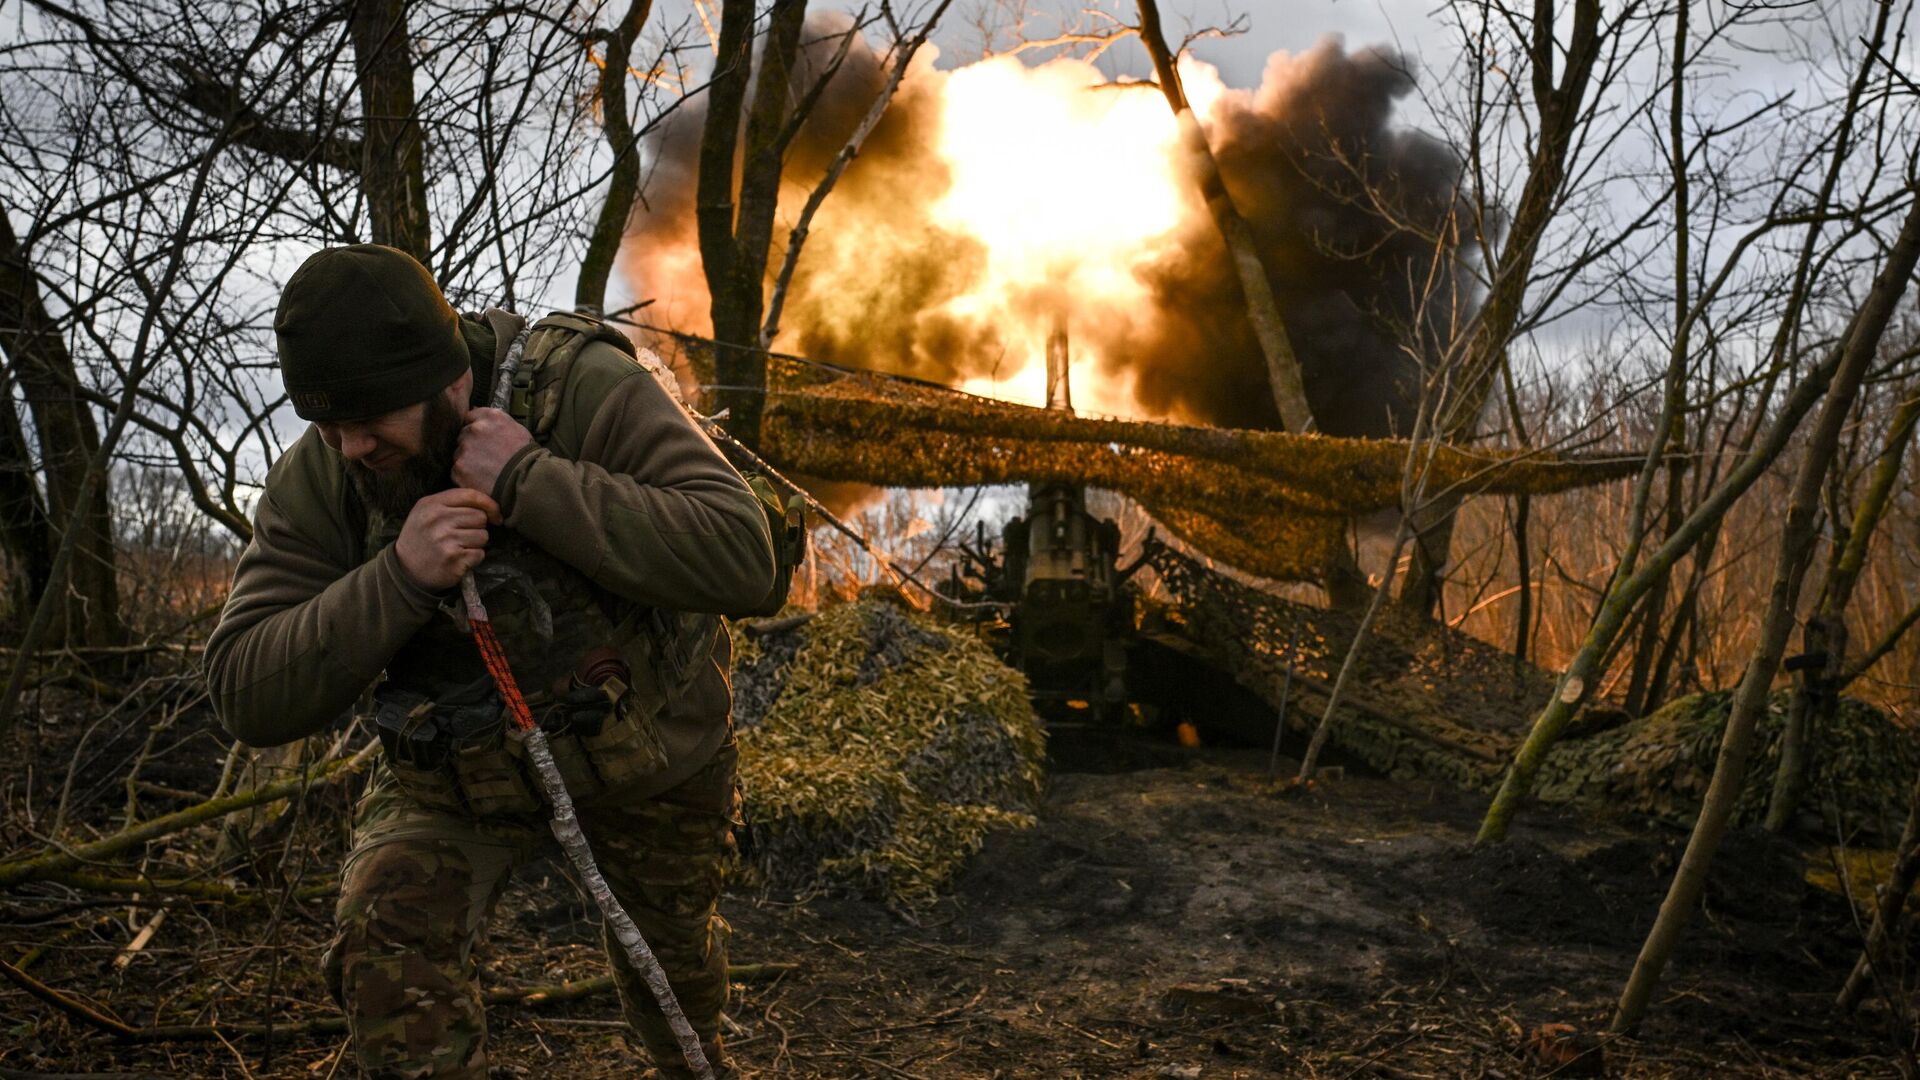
(1263, 312)
(1324, 729)
(1816, 697)
(1886, 917)
(393, 169)
(85, 585)
(623, 185)
(1679, 631)
(24, 527)
(1750, 700)
(1413, 483)
(1646, 650)
(719, 143)
(735, 231)
(1522, 511)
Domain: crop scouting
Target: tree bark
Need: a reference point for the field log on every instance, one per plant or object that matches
(735, 230)
(1796, 544)
(1263, 312)
(89, 604)
(24, 526)
(623, 184)
(393, 169)
(1817, 691)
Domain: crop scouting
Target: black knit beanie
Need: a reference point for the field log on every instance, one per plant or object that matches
(364, 330)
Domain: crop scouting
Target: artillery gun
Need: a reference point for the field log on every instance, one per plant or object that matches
(1072, 613)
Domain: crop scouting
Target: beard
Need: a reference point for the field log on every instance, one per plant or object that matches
(391, 493)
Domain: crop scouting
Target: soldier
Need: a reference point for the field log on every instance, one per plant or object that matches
(600, 523)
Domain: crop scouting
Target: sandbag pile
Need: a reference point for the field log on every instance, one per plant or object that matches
(1862, 774)
(877, 750)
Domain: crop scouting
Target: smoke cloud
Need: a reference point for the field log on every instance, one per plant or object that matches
(909, 268)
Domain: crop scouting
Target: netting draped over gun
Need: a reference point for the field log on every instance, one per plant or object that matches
(566, 827)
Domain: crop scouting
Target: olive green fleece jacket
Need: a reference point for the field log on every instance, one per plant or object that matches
(626, 489)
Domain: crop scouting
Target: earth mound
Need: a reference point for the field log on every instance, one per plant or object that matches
(1862, 772)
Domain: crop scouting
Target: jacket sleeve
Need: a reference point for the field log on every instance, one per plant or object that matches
(304, 632)
(648, 508)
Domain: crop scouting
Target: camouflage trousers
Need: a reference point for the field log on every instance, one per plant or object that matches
(420, 885)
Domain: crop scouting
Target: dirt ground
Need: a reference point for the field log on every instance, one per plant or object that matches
(1171, 916)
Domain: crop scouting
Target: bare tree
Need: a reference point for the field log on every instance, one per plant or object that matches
(74, 517)
(1263, 312)
(623, 186)
(736, 209)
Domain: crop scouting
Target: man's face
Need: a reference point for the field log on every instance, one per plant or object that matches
(381, 443)
(396, 458)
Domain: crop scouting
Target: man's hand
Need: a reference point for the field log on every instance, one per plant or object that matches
(488, 441)
(445, 536)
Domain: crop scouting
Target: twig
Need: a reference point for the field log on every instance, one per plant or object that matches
(798, 237)
(23, 870)
(140, 940)
(325, 1025)
(1286, 691)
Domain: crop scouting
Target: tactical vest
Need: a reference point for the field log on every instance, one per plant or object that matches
(596, 669)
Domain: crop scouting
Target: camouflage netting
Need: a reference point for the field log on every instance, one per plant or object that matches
(877, 749)
(1426, 702)
(1434, 704)
(1862, 773)
(1217, 489)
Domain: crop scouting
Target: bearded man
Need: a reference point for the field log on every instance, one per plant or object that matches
(605, 539)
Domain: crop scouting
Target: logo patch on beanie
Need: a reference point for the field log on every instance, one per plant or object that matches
(312, 401)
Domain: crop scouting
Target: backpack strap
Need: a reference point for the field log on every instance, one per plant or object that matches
(552, 346)
(539, 387)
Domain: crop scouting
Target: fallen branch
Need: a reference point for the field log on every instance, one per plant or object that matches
(215, 891)
(38, 867)
(325, 1025)
(140, 940)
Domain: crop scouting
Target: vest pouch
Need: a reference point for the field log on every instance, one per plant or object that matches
(431, 788)
(570, 756)
(483, 764)
(627, 748)
(416, 748)
(486, 766)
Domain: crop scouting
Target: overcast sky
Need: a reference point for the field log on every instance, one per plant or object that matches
(1271, 25)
